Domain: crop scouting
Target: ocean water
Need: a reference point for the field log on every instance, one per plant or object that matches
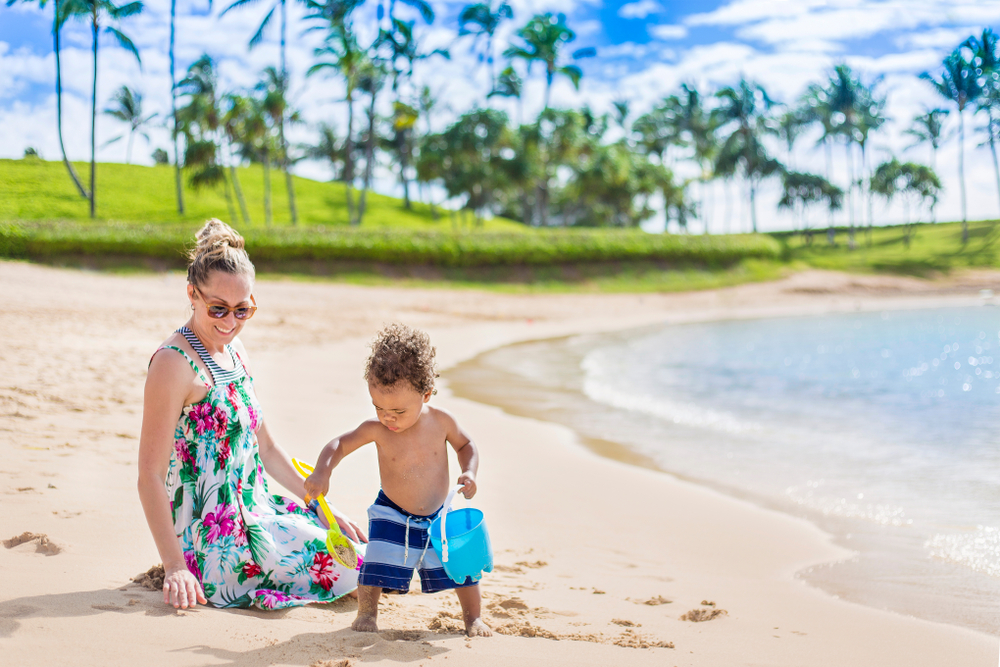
(881, 428)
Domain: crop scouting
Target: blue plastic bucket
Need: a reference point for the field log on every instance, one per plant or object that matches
(466, 550)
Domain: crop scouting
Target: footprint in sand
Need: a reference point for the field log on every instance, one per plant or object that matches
(43, 545)
(701, 615)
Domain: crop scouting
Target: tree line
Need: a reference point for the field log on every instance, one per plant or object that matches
(563, 167)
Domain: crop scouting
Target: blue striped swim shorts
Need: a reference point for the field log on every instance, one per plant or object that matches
(398, 543)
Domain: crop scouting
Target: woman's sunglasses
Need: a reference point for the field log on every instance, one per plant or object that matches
(240, 312)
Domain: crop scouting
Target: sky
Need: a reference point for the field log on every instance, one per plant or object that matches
(645, 50)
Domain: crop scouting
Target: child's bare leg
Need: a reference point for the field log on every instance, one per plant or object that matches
(367, 609)
(471, 612)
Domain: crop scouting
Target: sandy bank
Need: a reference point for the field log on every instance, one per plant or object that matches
(583, 543)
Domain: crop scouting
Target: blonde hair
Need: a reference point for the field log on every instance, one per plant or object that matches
(402, 354)
(220, 248)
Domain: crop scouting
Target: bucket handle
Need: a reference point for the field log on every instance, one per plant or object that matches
(444, 515)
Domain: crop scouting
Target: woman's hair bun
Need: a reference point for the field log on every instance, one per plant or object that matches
(219, 248)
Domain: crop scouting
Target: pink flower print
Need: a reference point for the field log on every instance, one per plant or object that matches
(254, 418)
(240, 534)
(251, 569)
(322, 571)
(192, 564)
(232, 394)
(221, 422)
(202, 415)
(291, 508)
(223, 455)
(184, 453)
(220, 522)
(269, 598)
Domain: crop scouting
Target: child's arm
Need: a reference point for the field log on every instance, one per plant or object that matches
(318, 483)
(468, 456)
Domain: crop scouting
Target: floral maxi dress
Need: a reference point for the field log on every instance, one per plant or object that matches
(248, 548)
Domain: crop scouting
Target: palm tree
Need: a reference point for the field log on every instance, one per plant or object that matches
(404, 53)
(274, 87)
(745, 108)
(698, 127)
(128, 109)
(96, 11)
(58, 18)
(957, 84)
(915, 183)
(986, 58)
(173, 108)
(484, 21)
(241, 124)
(928, 128)
(801, 190)
(281, 79)
(543, 38)
(201, 120)
(340, 52)
(371, 80)
(657, 132)
(817, 108)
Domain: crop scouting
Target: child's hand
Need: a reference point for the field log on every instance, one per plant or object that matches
(468, 482)
(316, 484)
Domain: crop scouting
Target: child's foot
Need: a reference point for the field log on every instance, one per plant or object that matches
(364, 624)
(478, 629)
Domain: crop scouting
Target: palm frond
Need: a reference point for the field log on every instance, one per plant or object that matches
(125, 43)
(258, 36)
(237, 5)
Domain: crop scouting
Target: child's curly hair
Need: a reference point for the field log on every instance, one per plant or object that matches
(401, 353)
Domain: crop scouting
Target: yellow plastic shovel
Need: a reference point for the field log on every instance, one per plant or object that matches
(337, 543)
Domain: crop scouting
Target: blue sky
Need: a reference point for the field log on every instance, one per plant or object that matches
(646, 48)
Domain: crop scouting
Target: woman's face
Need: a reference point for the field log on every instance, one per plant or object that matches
(221, 289)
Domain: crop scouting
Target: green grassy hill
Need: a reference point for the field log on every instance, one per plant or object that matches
(33, 189)
(932, 248)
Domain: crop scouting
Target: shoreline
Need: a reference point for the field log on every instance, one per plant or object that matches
(605, 556)
(487, 378)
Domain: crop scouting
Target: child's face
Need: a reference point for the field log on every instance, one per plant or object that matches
(398, 407)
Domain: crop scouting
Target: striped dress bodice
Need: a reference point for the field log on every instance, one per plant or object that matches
(220, 376)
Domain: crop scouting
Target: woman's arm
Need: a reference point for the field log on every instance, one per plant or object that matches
(167, 386)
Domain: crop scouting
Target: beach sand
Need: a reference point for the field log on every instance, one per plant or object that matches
(598, 562)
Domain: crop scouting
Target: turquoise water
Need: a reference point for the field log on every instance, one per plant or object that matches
(882, 428)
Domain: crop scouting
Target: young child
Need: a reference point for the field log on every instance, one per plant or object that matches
(411, 438)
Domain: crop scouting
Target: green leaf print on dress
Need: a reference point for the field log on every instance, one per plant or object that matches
(247, 547)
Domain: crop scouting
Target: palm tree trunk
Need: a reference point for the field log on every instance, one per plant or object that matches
(993, 148)
(239, 196)
(753, 204)
(961, 173)
(369, 157)
(281, 121)
(173, 108)
(62, 147)
(128, 149)
(729, 204)
(267, 189)
(349, 157)
(850, 193)
(229, 198)
(93, 124)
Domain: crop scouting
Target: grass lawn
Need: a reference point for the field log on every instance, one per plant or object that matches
(933, 249)
(33, 189)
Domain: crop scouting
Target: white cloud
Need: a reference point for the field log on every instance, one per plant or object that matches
(668, 31)
(940, 38)
(640, 9)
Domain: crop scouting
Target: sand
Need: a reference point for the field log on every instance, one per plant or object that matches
(597, 561)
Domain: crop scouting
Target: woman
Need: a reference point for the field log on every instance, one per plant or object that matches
(223, 538)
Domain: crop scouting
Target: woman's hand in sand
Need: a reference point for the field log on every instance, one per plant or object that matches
(181, 589)
(468, 482)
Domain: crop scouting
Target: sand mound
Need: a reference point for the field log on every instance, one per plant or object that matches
(658, 600)
(332, 663)
(630, 639)
(700, 615)
(43, 544)
(151, 579)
